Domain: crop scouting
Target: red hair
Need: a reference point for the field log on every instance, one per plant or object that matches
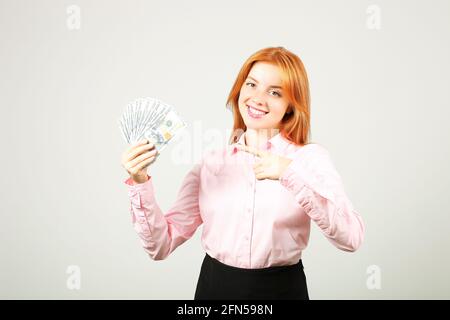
(295, 125)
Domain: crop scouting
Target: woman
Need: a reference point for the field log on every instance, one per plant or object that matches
(257, 196)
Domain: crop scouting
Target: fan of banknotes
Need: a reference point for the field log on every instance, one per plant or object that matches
(151, 119)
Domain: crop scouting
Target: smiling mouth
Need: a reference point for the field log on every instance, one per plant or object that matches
(255, 113)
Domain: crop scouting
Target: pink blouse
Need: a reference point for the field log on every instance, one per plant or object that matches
(250, 223)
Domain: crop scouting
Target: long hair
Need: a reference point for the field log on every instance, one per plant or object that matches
(295, 124)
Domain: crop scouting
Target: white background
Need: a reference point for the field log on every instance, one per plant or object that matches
(380, 104)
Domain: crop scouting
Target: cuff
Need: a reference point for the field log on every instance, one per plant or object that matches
(140, 193)
(290, 179)
(131, 183)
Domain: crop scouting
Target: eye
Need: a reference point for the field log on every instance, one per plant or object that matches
(249, 83)
(279, 95)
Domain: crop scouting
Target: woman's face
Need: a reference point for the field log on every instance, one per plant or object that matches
(262, 90)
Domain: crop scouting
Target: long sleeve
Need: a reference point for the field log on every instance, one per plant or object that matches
(318, 188)
(160, 233)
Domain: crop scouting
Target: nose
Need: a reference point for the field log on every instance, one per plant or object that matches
(258, 98)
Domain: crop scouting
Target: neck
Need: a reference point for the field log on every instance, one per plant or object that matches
(258, 137)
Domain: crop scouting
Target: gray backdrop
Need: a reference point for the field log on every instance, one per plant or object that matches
(379, 74)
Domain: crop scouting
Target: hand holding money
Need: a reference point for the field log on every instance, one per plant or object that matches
(137, 158)
(148, 124)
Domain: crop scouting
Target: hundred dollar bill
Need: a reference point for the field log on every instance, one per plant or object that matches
(151, 119)
(165, 130)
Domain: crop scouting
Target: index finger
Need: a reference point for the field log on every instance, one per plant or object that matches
(137, 144)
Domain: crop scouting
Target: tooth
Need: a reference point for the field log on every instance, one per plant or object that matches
(257, 111)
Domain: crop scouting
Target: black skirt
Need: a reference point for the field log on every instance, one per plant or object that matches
(220, 281)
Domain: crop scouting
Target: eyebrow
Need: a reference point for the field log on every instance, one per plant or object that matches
(278, 87)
